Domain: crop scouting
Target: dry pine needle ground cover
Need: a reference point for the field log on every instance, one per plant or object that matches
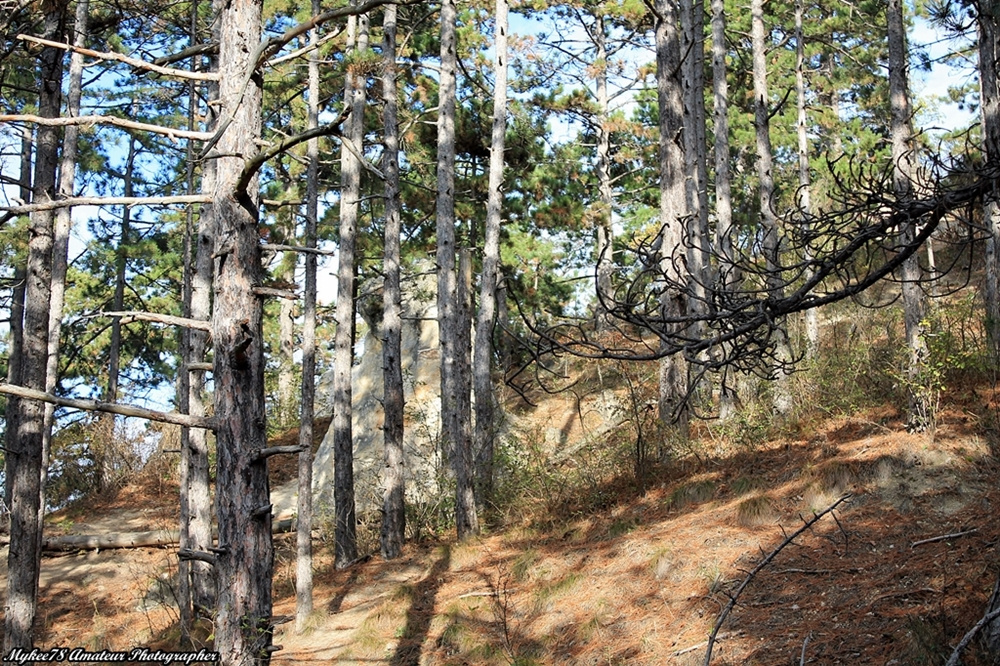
(622, 574)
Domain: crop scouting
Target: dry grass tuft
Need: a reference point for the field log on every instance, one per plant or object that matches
(692, 492)
(756, 510)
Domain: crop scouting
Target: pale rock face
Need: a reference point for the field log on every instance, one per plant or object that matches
(421, 381)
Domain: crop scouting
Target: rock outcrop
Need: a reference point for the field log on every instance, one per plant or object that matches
(422, 381)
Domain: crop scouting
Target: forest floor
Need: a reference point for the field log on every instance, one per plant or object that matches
(613, 571)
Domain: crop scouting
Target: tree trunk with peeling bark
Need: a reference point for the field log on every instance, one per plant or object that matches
(16, 344)
(62, 227)
(695, 154)
(303, 530)
(198, 582)
(724, 231)
(805, 180)
(605, 232)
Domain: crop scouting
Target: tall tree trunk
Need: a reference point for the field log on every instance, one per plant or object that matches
(16, 345)
(605, 232)
(245, 561)
(184, 566)
(196, 497)
(61, 229)
(199, 493)
(695, 154)
(902, 159)
(724, 233)
(805, 181)
(121, 263)
(394, 473)
(768, 217)
(286, 345)
(24, 555)
(343, 441)
(486, 317)
(989, 52)
(106, 454)
(674, 210)
(454, 415)
(303, 528)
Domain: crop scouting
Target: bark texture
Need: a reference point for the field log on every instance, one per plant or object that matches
(901, 135)
(345, 531)
(724, 233)
(605, 232)
(673, 201)
(25, 474)
(782, 400)
(989, 52)
(454, 405)
(393, 475)
(303, 533)
(245, 560)
(805, 180)
(486, 420)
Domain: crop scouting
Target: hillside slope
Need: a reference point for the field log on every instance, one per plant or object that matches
(617, 573)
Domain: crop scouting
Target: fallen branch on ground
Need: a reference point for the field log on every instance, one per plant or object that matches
(150, 539)
(712, 637)
(943, 537)
(956, 654)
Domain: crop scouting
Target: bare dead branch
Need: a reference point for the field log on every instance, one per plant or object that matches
(721, 637)
(260, 454)
(736, 314)
(296, 248)
(133, 315)
(183, 199)
(760, 566)
(170, 132)
(275, 293)
(254, 165)
(956, 654)
(191, 51)
(298, 53)
(134, 62)
(123, 410)
(197, 555)
(108, 541)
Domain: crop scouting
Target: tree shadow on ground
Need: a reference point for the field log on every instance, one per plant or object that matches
(345, 588)
(421, 613)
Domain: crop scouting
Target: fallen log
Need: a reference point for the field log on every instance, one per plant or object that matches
(150, 539)
(117, 540)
